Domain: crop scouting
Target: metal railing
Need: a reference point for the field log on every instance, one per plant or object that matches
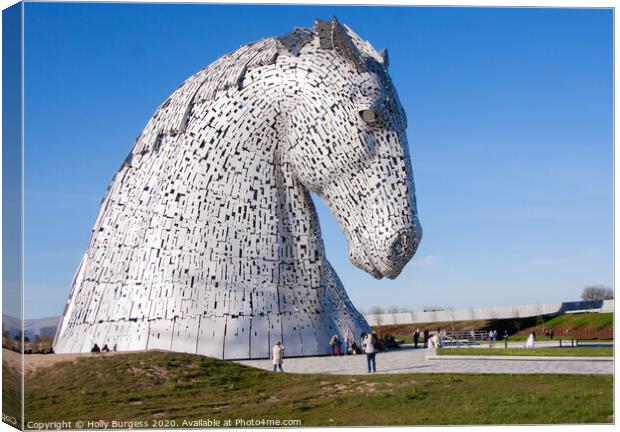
(448, 340)
(463, 338)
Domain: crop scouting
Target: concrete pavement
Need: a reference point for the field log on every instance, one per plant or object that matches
(409, 360)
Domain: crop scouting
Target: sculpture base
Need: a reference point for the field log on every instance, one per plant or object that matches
(227, 337)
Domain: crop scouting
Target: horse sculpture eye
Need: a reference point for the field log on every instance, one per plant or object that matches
(370, 116)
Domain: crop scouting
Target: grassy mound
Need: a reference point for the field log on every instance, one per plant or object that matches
(592, 320)
(576, 326)
(172, 387)
(11, 390)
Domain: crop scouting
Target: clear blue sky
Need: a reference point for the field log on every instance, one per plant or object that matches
(510, 128)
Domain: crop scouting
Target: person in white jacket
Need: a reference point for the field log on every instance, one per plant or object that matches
(370, 344)
(530, 341)
(277, 355)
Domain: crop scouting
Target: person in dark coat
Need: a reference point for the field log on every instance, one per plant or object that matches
(416, 337)
(95, 349)
(426, 334)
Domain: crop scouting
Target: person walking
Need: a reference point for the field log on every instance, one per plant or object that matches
(277, 355)
(349, 342)
(435, 340)
(369, 346)
(530, 340)
(426, 333)
(416, 337)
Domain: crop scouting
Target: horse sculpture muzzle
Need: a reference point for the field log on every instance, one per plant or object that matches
(400, 250)
(403, 246)
(389, 259)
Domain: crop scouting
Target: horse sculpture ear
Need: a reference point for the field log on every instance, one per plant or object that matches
(323, 30)
(333, 35)
(386, 59)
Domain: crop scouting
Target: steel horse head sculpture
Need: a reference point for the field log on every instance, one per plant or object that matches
(207, 240)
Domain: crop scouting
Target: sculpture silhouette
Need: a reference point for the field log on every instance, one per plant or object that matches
(207, 240)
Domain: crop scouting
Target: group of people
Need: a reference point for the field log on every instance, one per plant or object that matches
(416, 337)
(369, 347)
(434, 340)
(350, 346)
(96, 349)
(437, 339)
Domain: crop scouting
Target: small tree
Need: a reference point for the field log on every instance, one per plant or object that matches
(378, 312)
(379, 320)
(597, 292)
(516, 318)
(393, 310)
(451, 314)
(540, 320)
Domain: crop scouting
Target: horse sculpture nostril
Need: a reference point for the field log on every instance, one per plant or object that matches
(400, 246)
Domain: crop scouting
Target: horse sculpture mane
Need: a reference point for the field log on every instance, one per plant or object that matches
(207, 240)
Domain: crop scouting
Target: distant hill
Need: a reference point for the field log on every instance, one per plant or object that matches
(34, 326)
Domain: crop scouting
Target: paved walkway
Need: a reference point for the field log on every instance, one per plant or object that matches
(409, 360)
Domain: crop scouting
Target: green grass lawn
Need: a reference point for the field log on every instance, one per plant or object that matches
(539, 338)
(171, 387)
(553, 352)
(595, 320)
